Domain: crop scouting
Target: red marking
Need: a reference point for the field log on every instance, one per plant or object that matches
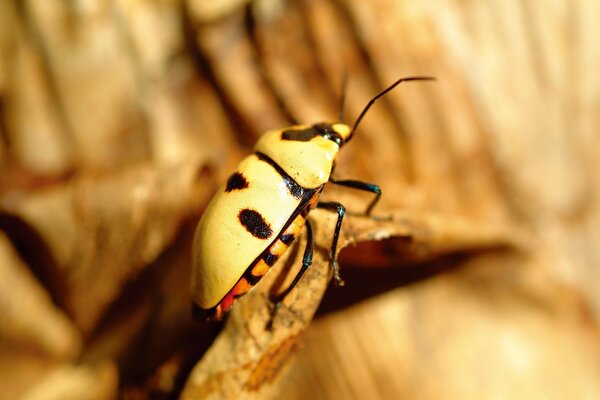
(241, 288)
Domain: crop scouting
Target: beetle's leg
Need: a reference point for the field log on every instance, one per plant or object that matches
(367, 187)
(341, 211)
(306, 262)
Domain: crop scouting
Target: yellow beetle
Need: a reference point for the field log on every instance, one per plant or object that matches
(262, 208)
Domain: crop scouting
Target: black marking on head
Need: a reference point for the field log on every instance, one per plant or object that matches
(236, 181)
(299, 135)
(288, 238)
(327, 131)
(295, 189)
(306, 134)
(270, 259)
(255, 223)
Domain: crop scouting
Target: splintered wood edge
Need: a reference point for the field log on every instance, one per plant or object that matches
(433, 234)
(248, 356)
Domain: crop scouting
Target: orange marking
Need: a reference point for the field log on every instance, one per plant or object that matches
(313, 201)
(241, 288)
(260, 269)
(296, 226)
(278, 248)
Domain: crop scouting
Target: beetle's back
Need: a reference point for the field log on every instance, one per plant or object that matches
(241, 221)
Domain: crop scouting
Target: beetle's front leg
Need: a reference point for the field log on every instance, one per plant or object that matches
(341, 211)
(364, 186)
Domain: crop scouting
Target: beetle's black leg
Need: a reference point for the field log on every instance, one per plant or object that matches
(367, 187)
(306, 262)
(341, 211)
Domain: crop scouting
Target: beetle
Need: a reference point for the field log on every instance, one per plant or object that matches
(262, 208)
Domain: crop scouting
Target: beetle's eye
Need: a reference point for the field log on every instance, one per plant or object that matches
(327, 131)
(335, 137)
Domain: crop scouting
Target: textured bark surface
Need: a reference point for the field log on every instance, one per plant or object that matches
(477, 277)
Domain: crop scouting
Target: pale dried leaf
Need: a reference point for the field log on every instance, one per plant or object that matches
(29, 319)
(88, 223)
(76, 382)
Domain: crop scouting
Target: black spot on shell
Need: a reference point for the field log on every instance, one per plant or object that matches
(236, 181)
(270, 259)
(252, 279)
(255, 223)
(288, 238)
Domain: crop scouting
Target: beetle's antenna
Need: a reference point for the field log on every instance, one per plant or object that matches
(381, 94)
(343, 95)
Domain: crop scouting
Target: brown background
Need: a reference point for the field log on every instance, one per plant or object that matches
(478, 279)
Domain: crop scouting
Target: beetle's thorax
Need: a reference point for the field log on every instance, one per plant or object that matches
(305, 152)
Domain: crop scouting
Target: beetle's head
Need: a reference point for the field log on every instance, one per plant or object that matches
(336, 132)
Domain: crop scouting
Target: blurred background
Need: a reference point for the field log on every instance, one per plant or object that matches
(479, 278)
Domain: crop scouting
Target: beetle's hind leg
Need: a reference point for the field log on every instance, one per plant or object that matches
(306, 262)
(364, 186)
(341, 211)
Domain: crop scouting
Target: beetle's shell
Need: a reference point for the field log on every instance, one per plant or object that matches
(269, 188)
(223, 247)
